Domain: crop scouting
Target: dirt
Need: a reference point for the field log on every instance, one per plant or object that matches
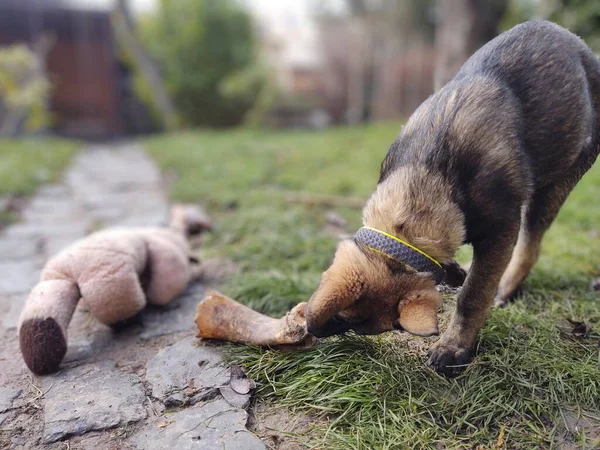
(281, 429)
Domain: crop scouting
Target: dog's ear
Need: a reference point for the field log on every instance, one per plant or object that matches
(418, 312)
(340, 286)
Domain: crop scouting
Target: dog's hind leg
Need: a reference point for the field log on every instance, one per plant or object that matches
(537, 218)
(524, 256)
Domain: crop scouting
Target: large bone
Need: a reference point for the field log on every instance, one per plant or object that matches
(219, 317)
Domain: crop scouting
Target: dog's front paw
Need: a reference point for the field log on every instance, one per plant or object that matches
(447, 358)
(455, 274)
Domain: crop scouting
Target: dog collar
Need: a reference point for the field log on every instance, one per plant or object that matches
(394, 248)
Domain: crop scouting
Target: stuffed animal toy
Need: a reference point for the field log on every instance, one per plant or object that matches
(114, 272)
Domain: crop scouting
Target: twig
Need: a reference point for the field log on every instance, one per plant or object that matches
(39, 395)
(152, 407)
(324, 200)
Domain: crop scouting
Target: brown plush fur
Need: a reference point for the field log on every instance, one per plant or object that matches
(115, 273)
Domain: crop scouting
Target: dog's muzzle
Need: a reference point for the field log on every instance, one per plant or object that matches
(332, 327)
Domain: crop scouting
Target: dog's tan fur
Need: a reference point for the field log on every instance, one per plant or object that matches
(414, 205)
(355, 277)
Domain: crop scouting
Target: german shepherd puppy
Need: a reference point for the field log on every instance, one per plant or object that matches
(488, 160)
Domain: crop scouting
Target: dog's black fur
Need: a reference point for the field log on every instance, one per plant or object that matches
(532, 98)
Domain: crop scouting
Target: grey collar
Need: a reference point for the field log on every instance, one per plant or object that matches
(394, 248)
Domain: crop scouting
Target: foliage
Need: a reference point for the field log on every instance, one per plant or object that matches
(27, 163)
(24, 90)
(256, 86)
(531, 385)
(582, 17)
(207, 52)
(518, 11)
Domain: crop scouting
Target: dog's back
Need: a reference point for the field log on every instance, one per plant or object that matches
(518, 115)
(555, 79)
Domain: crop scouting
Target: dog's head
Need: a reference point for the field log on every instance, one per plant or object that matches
(361, 291)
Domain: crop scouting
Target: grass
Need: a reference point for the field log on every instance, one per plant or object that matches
(532, 377)
(25, 164)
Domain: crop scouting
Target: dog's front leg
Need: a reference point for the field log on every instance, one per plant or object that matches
(455, 346)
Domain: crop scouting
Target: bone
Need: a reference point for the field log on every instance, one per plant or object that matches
(220, 317)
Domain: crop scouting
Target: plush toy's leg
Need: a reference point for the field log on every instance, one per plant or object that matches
(44, 322)
(113, 295)
(169, 270)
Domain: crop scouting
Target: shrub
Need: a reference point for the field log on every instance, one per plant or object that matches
(24, 91)
(207, 52)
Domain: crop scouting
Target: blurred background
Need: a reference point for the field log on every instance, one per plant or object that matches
(100, 69)
(274, 116)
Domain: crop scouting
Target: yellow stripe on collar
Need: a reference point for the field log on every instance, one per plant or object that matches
(435, 261)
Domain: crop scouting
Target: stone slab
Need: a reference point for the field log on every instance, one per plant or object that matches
(233, 398)
(54, 245)
(10, 319)
(208, 426)
(36, 230)
(88, 398)
(175, 317)
(7, 396)
(186, 370)
(13, 248)
(18, 276)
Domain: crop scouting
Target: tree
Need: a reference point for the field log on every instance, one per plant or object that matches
(24, 87)
(125, 30)
(463, 26)
(582, 17)
(201, 45)
(365, 82)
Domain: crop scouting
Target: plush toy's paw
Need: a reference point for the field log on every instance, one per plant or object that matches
(447, 358)
(43, 345)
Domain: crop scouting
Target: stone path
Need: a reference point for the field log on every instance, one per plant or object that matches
(151, 385)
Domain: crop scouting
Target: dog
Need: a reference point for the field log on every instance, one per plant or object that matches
(487, 160)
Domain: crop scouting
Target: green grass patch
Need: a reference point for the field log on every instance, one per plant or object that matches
(243, 177)
(25, 164)
(531, 378)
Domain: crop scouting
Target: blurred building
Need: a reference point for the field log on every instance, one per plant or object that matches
(344, 68)
(289, 44)
(377, 64)
(91, 90)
